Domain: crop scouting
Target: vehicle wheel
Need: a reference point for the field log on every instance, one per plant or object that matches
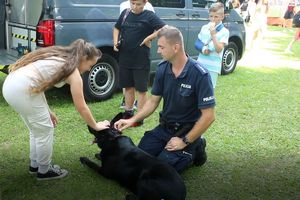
(230, 58)
(101, 81)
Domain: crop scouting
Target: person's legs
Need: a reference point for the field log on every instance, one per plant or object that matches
(126, 81)
(154, 141)
(214, 78)
(129, 98)
(141, 78)
(182, 159)
(122, 104)
(290, 45)
(142, 98)
(41, 142)
(34, 111)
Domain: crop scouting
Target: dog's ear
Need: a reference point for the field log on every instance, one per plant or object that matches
(116, 118)
(91, 130)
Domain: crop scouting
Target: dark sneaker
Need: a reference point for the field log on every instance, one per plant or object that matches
(54, 172)
(200, 154)
(135, 124)
(128, 114)
(33, 170)
(122, 105)
(135, 105)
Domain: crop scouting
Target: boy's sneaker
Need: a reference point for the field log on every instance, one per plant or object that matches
(200, 154)
(54, 172)
(33, 170)
(128, 114)
(135, 105)
(122, 105)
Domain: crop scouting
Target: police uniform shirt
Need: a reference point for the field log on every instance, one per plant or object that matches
(185, 95)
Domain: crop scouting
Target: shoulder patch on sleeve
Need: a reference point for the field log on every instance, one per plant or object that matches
(200, 68)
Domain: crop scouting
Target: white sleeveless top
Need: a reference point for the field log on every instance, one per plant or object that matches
(43, 70)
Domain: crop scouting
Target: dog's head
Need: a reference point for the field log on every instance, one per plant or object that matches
(107, 134)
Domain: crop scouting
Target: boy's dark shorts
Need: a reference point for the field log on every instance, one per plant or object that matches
(137, 78)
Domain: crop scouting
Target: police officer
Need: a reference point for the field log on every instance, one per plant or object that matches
(188, 105)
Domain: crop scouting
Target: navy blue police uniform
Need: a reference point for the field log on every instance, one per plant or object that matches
(183, 99)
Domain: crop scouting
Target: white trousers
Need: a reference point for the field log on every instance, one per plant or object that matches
(33, 109)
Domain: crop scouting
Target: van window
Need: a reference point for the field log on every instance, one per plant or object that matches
(199, 3)
(168, 3)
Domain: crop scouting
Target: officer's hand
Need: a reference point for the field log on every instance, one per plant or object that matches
(123, 124)
(175, 144)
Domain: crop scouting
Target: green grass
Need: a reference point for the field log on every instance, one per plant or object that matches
(253, 146)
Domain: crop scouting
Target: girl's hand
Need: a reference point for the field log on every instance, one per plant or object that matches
(102, 125)
(53, 119)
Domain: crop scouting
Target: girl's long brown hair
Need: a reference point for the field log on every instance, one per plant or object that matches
(72, 55)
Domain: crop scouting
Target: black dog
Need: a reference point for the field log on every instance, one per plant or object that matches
(144, 175)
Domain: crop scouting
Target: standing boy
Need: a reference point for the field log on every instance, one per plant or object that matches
(214, 37)
(137, 28)
(123, 6)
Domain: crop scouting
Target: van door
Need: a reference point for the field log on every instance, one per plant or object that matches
(198, 16)
(2, 23)
(172, 12)
(22, 18)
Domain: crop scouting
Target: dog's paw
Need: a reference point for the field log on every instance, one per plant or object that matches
(98, 156)
(83, 160)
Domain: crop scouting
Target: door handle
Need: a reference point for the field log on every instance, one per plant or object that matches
(195, 15)
(181, 14)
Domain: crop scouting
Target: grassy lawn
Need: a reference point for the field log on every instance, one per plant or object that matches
(253, 146)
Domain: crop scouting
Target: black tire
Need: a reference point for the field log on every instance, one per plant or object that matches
(229, 59)
(101, 82)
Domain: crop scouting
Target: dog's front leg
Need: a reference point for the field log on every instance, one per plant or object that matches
(101, 170)
(90, 164)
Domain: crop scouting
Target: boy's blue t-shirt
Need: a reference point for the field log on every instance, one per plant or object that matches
(212, 61)
(134, 30)
(184, 96)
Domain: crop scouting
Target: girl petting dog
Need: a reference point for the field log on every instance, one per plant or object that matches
(24, 90)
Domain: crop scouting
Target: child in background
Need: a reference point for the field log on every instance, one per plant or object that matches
(289, 14)
(296, 37)
(214, 37)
